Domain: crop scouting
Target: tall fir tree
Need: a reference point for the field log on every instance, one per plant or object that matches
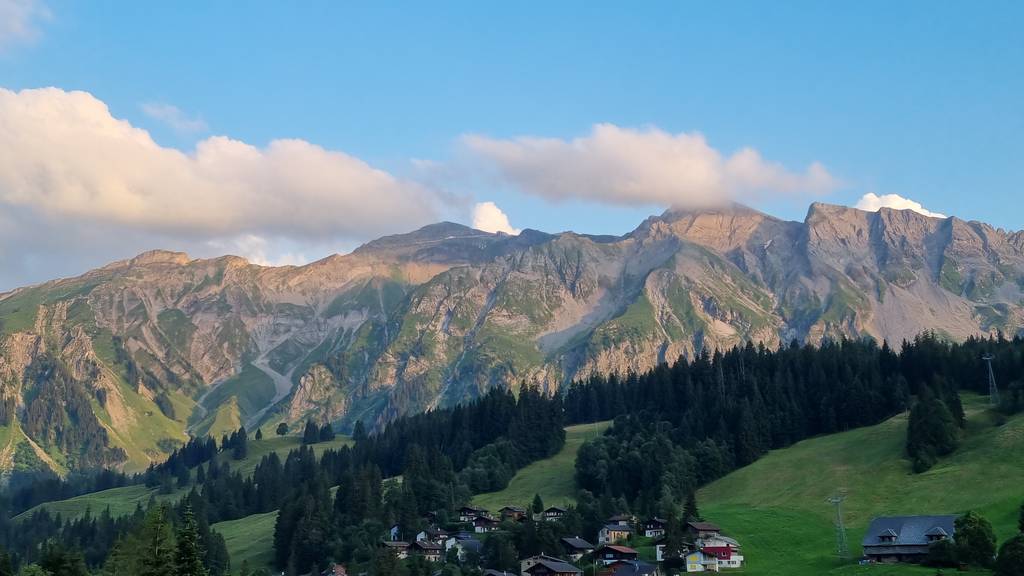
(157, 552)
(690, 511)
(188, 558)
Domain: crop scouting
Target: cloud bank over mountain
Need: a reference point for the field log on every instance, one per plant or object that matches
(649, 166)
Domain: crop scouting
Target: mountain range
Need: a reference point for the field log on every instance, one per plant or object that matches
(118, 366)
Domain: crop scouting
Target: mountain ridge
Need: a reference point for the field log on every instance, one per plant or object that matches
(409, 322)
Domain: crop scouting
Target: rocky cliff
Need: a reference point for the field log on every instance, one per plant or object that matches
(119, 365)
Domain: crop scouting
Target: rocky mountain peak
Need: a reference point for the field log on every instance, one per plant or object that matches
(160, 257)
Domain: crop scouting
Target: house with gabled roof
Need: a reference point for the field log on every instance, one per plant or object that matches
(430, 551)
(629, 568)
(526, 563)
(552, 567)
(905, 538)
(554, 513)
(513, 513)
(468, 513)
(400, 549)
(576, 548)
(702, 529)
(613, 553)
(613, 533)
(482, 524)
(655, 527)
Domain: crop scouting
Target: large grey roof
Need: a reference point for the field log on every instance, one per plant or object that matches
(557, 566)
(633, 568)
(578, 543)
(909, 530)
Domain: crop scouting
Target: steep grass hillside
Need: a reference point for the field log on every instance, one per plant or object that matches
(552, 478)
(777, 506)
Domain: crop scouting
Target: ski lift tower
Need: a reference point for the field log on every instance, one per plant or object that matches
(993, 391)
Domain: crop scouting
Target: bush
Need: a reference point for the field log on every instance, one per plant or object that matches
(1011, 557)
(942, 554)
(975, 540)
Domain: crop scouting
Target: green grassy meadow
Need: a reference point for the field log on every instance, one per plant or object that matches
(249, 539)
(777, 508)
(122, 501)
(552, 478)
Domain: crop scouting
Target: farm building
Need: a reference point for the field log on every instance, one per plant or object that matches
(905, 538)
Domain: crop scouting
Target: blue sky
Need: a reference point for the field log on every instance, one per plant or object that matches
(919, 99)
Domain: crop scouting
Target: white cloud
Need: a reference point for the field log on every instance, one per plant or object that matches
(173, 117)
(64, 155)
(489, 218)
(650, 166)
(873, 203)
(82, 188)
(19, 21)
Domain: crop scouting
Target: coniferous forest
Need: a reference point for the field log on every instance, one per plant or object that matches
(723, 410)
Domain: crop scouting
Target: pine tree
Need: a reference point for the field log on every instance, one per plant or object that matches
(311, 435)
(259, 434)
(189, 556)
(59, 560)
(538, 504)
(359, 432)
(157, 553)
(1020, 520)
(690, 511)
(282, 429)
(6, 566)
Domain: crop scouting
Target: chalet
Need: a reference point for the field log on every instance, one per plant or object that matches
(611, 553)
(513, 513)
(622, 519)
(576, 548)
(401, 549)
(552, 567)
(905, 538)
(427, 550)
(554, 513)
(698, 561)
(724, 549)
(468, 513)
(526, 563)
(484, 524)
(433, 534)
(702, 529)
(614, 533)
(629, 568)
(654, 528)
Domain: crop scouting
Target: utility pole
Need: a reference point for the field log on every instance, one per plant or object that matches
(993, 391)
(842, 548)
